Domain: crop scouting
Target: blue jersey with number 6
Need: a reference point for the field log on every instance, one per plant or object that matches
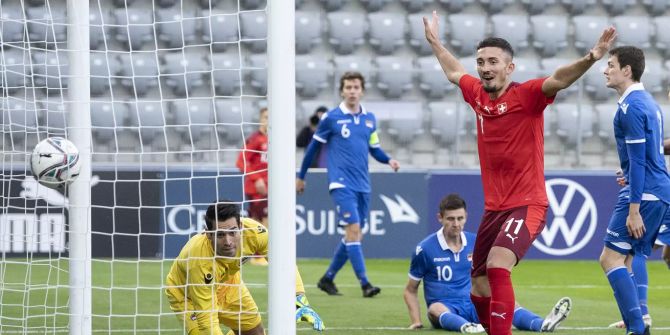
(445, 272)
(349, 137)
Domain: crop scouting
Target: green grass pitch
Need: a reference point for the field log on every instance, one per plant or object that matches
(119, 307)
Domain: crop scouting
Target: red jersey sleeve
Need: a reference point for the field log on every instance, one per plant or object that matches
(469, 86)
(531, 96)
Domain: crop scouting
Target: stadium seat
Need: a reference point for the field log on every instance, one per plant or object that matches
(50, 70)
(633, 30)
(470, 64)
(22, 123)
(194, 119)
(134, 27)
(466, 31)
(594, 81)
(14, 67)
(656, 7)
(577, 7)
(307, 31)
(333, 5)
(537, 6)
(495, 6)
(432, 80)
(100, 29)
(549, 66)
(106, 119)
(663, 34)
(177, 26)
(362, 64)
(387, 31)
(550, 33)
(104, 69)
(574, 123)
(514, 28)
(417, 35)
(12, 17)
(605, 116)
(617, 7)
(184, 72)
(226, 74)
(220, 29)
(208, 4)
(665, 108)
(47, 24)
(233, 118)
(374, 5)
(151, 122)
(123, 3)
(166, 3)
(347, 31)
(414, 6)
(404, 130)
(52, 117)
(256, 66)
(312, 75)
(394, 75)
(253, 28)
(654, 76)
(587, 30)
(525, 69)
(447, 121)
(455, 6)
(253, 4)
(139, 71)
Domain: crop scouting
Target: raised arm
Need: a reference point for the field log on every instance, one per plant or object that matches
(450, 64)
(412, 301)
(568, 74)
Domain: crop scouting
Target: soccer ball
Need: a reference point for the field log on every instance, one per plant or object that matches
(55, 162)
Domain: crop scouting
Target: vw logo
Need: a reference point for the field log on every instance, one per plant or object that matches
(587, 214)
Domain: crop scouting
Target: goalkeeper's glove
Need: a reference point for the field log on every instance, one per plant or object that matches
(305, 313)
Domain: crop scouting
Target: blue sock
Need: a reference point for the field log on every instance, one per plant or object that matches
(451, 321)
(527, 320)
(357, 261)
(642, 281)
(339, 259)
(626, 297)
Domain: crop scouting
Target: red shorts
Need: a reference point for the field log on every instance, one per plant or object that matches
(514, 229)
(258, 209)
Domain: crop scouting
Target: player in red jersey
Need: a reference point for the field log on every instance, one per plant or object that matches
(253, 162)
(510, 141)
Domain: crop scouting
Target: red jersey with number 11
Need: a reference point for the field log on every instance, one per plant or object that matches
(510, 139)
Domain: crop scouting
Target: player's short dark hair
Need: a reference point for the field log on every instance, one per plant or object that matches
(451, 202)
(629, 55)
(222, 210)
(352, 75)
(497, 42)
(314, 120)
(320, 109)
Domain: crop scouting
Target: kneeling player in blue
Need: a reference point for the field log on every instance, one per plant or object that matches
(642, 204)
(443, 261)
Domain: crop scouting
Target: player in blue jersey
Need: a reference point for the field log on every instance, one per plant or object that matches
(351, 133)
(443, 261)
(642, 204)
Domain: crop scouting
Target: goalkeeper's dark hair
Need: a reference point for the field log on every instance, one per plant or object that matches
(629, 55)
(352, 75)
(497, 42)
(221, 211)
(451, 202)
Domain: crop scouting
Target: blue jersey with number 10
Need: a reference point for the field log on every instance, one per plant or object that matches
(350, 137)
(638, 130)
(445, 272)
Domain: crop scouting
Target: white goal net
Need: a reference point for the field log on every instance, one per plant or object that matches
(175, 90)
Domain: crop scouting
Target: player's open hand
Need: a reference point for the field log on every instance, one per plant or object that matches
(604, 43)
(299, 185)
(635, 225)
(432, 28)
(415, 326)
(395, 165)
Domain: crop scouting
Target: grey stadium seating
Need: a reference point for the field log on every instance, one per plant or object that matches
(514, 28)
(574, 123)
(656, 7)
(362, 64)
(221, 30)
(347, 31)
(15, 65)
(226, 74)
(258, 73)
(177, 26)
(663, 34)
(307, 31)
(587, 30)
(104, 68)
(139, 71)
(466, 31)
(432, 80)
(184, 72)
(633, 30)
(50, 70)
(394, 75)
(455, 6)
(47, 24)
(134, 28)
(576, 7)
(414, 6)
(417, 35)
(374, 5)
(387, 31)
(537, 6)
(550, 33)
(253, 29)
(312, 75)
(525, 69)
(618, 7)
(12, 22)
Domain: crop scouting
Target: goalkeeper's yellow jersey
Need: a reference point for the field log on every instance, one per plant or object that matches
(196, 275)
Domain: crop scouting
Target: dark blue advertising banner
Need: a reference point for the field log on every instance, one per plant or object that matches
(397, 219)
(580, 205)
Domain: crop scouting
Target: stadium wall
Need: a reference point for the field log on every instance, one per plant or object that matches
(402, 212)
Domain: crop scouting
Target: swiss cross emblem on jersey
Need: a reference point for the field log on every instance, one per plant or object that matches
(501, 107)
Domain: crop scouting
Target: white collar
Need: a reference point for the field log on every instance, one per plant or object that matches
(445, 245)
(346, 110)
(631, 88)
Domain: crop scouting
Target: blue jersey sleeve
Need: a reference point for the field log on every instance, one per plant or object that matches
(418, 266)
(634, 127)
(323, 130)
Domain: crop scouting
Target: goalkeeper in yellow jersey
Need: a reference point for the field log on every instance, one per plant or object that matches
(204, 286)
